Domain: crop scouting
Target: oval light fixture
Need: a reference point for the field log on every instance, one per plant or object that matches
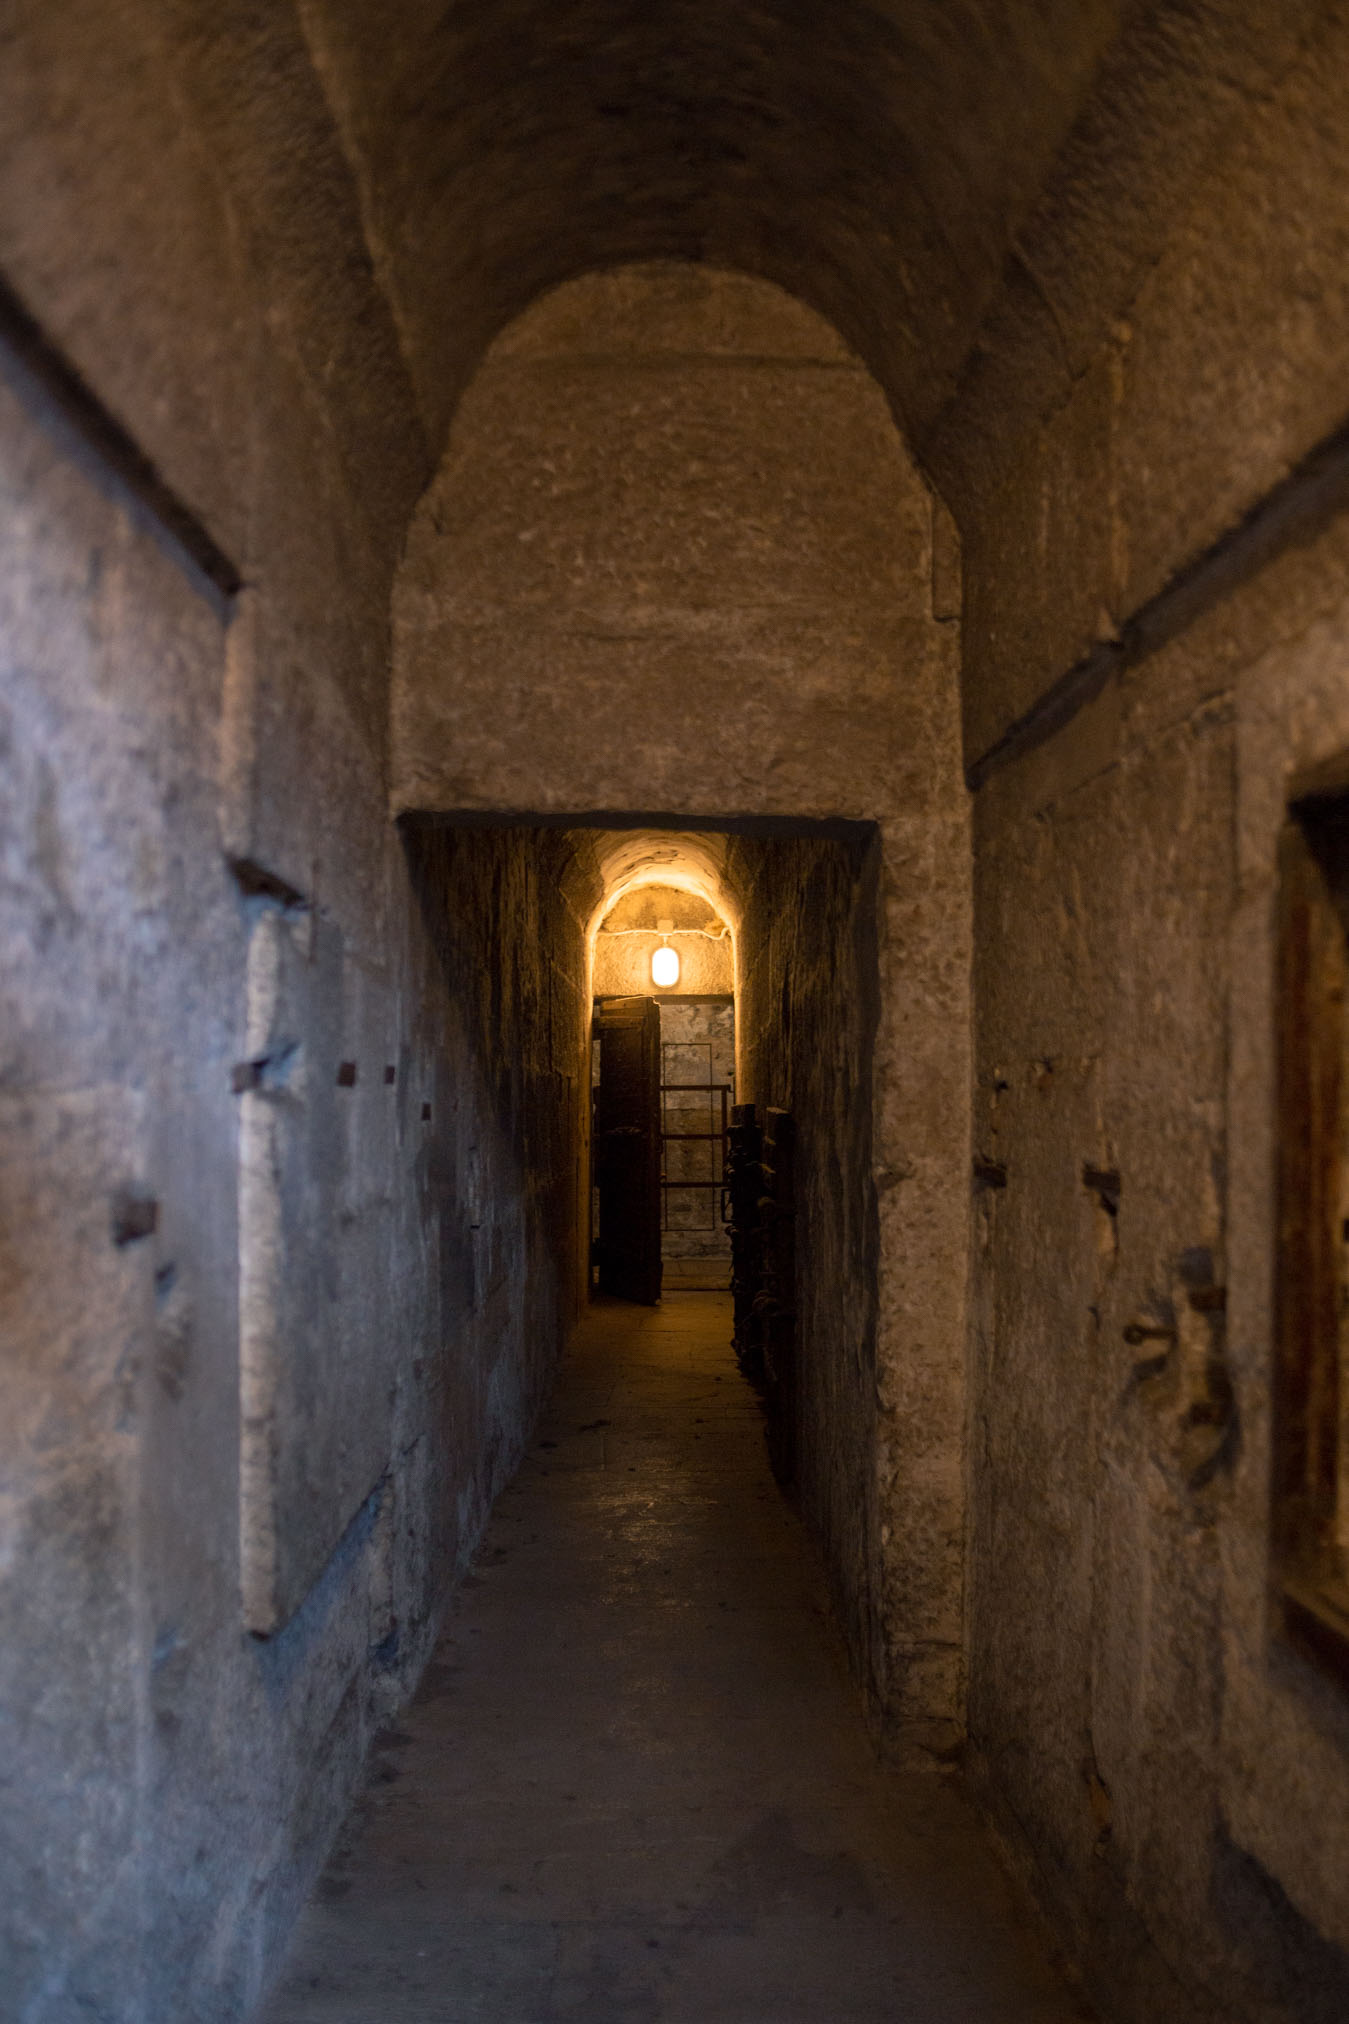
(664, 966)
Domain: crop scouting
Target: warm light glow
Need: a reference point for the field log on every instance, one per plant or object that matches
(665, 966)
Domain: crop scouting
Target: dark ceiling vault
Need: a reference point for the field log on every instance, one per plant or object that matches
(875, 160)
(967, 189)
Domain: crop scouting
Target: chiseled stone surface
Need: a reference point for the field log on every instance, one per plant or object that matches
(172, 1781)
(1193, 1845)
(654, 573)
(635, 1786)
(169, 1782)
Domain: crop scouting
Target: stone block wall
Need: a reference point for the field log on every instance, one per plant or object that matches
(807, 1019)
(208, 453)
(1155, 610)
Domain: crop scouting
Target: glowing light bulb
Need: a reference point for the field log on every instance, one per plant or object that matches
(664, 966)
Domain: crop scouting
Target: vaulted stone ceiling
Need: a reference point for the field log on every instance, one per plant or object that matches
(877, 160)
(971, 191)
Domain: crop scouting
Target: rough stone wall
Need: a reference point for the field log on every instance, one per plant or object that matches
(677, 559)
(807, 1019)
(506, 1169)
(1156, 634)
(190, 767)
(1157, 358)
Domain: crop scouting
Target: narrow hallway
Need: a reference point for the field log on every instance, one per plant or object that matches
(635, 1787)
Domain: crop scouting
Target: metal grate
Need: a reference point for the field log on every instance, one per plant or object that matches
(693, 1136)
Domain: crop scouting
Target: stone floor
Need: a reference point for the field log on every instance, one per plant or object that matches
(635, 1787)
(696, 1274)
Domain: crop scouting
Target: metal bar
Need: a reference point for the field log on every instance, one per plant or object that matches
(693, 1184)
(703, 1086)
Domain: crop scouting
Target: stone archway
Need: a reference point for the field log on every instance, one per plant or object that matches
(677, 560)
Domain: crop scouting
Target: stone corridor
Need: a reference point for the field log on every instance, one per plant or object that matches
(635, 1787)
(867, 484)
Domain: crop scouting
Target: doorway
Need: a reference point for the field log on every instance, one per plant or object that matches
(663, 1094)
(626, 1247)
(697, 1096)
(663, 1088)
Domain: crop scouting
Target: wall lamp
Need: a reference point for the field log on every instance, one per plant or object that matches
(664, 960)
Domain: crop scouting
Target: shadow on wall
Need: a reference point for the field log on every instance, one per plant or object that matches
(808, 1014)
(511, 953)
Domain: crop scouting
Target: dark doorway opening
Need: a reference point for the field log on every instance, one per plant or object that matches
(661, 1225)
(627, 1149)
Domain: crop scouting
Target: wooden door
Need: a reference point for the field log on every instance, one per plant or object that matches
(627, 1148)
